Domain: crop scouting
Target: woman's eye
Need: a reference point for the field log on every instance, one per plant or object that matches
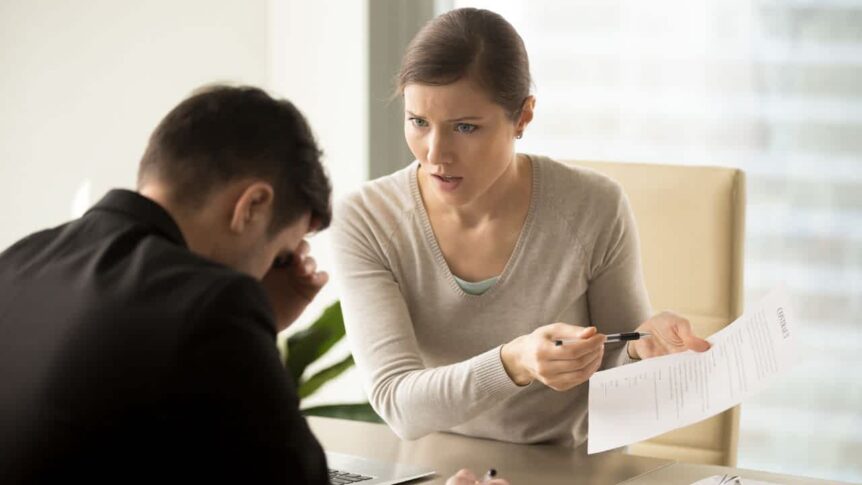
(419, 122)
(465, 128)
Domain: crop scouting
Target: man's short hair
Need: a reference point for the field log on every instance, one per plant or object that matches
(223, 133)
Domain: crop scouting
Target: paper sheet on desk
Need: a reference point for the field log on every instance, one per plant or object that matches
(637, 401)
(719, 480)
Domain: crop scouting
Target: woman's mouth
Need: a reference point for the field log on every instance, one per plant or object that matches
(447, 182)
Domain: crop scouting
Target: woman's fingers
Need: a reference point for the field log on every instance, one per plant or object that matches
(697, 344)
(560, 366)
(690, 340)
(568, 380)
(537, 357)
(671, 333)
(575, 348)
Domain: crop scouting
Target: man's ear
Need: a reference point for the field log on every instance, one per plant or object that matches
(253, 207)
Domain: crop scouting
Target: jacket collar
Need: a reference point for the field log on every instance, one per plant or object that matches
(142, 210)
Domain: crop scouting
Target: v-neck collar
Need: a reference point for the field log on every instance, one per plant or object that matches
(523, 237)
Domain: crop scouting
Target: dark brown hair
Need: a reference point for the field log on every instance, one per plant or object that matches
(470, 42)
(223, 133)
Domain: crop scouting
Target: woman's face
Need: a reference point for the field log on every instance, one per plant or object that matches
(463, 140)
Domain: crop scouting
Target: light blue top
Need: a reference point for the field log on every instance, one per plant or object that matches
(476, 288)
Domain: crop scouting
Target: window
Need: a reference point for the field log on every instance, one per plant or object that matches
(774, 88)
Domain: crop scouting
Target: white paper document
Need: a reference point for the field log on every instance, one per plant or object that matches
(725, 480)
(637, 401)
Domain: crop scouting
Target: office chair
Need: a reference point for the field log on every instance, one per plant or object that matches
(691, 222)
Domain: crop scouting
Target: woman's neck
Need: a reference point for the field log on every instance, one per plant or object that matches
(508, 196)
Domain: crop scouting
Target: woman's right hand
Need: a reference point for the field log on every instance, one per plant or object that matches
(535, 357)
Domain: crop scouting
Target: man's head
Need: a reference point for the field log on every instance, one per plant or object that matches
(241, 174)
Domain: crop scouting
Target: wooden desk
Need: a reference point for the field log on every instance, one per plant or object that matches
(521, 464)
(447, 453)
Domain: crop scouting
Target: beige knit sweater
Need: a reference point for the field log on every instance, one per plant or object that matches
(429, 354)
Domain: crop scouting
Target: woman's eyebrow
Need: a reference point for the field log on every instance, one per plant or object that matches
(464, 118)
(452, 120)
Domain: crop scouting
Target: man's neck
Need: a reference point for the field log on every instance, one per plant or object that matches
(187, 225)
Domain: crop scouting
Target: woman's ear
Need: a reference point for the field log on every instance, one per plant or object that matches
(253, 207)
(526, 115)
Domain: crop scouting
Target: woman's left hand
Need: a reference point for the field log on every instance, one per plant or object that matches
(671, 333)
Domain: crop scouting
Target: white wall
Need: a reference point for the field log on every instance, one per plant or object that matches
(83, 84)
(319, 60)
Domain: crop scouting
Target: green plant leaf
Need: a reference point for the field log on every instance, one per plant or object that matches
(314, 382)
(307, 345)
(355, 412)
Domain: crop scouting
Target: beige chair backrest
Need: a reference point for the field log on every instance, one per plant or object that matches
(691, 222)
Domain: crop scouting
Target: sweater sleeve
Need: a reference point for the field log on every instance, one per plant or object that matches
(617, 294)
(413, 399)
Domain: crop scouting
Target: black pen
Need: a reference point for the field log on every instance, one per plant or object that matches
(612, 338)
(489, 475)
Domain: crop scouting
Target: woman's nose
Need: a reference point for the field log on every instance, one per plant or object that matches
(438, 150)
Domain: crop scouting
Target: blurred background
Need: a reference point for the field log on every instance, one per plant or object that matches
(773, 87)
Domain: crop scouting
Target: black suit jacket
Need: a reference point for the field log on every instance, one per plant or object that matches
(126, 357)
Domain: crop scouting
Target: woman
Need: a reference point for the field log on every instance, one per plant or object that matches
(458, 272)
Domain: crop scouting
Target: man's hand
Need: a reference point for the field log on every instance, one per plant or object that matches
(292, 287)
(671, 333)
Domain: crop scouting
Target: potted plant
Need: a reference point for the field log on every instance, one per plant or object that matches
(306, 346)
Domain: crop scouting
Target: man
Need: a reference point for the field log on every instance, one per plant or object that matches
(137, 343)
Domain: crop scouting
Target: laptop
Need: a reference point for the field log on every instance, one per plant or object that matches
(344, 469)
